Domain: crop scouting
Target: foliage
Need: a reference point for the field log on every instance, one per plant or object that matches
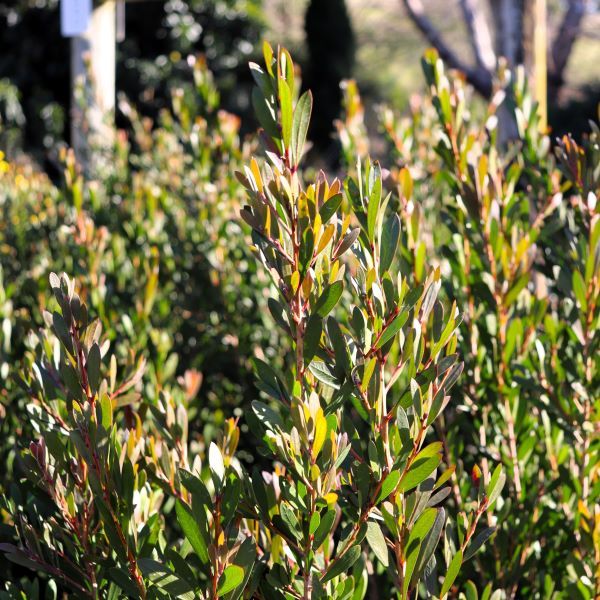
(91, 519)
(353, 482)
(157, 253)
(350, 422)
(423, 416)
(517, 232)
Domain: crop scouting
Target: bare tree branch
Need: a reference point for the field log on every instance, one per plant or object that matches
(479, 77)
(565, 39)
(508, 21)
(479, 33)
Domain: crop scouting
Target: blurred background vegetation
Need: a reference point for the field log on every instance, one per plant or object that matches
(374, 42)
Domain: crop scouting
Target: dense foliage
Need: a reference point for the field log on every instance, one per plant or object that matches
(419, 336)
(517, 232)
(157, 251)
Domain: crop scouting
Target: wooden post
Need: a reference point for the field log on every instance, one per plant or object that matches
(93, 57)
(540, 61)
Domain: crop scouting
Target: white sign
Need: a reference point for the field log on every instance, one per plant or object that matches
(74, 17)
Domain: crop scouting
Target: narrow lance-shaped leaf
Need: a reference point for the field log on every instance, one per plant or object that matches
(452, 573)
(300, 124)
(191, 530)
(389, 242)
(377, 543)
(341, 565)
(285, 102)
(329, 298)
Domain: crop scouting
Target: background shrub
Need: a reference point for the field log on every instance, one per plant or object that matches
(157, 251)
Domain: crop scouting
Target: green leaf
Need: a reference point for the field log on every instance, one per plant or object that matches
(110, 528)
(419, 471)
(265, 114)
(260, 493)
(322, 372)
(389, 243)
(262, 80)
(289, 518)
(312, 337)
(479, 540)
(388, 486)
(93, 367)
(420, 260)
(268, 56)
(269, 380)
(231, 577)
(340, 348)
(419, 531)
(330, 207)
(470, 591)
(279, 314)
(266, 415)
(579, 290)
(329, 298)
(287, 68)
(123, 579)
(127, 484)
(337, 567)
(430, 540)
(173, 583)
(376, 541)
(195, 486)
(62, 332)
(347, 242)
(107, 412)
(453, 570)
(324, 529)
(374, 201)
(516, 289)
(392, 329)
(285, 102)
(300, 126)
(315, 521)
(497, 481)
(190, 528)
(245, 558)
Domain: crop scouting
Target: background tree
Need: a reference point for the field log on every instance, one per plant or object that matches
(503, 28)
(331, 49)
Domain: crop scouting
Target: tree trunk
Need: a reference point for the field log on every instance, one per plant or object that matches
(564, 41)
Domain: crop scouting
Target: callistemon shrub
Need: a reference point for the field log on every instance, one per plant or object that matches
(356, 495)
(517, 231)
(346, 495)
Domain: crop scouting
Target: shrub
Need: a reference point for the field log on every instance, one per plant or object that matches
(157, 252)
(352, 486)
(516, 230)
(425, 335)
(351, 420)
